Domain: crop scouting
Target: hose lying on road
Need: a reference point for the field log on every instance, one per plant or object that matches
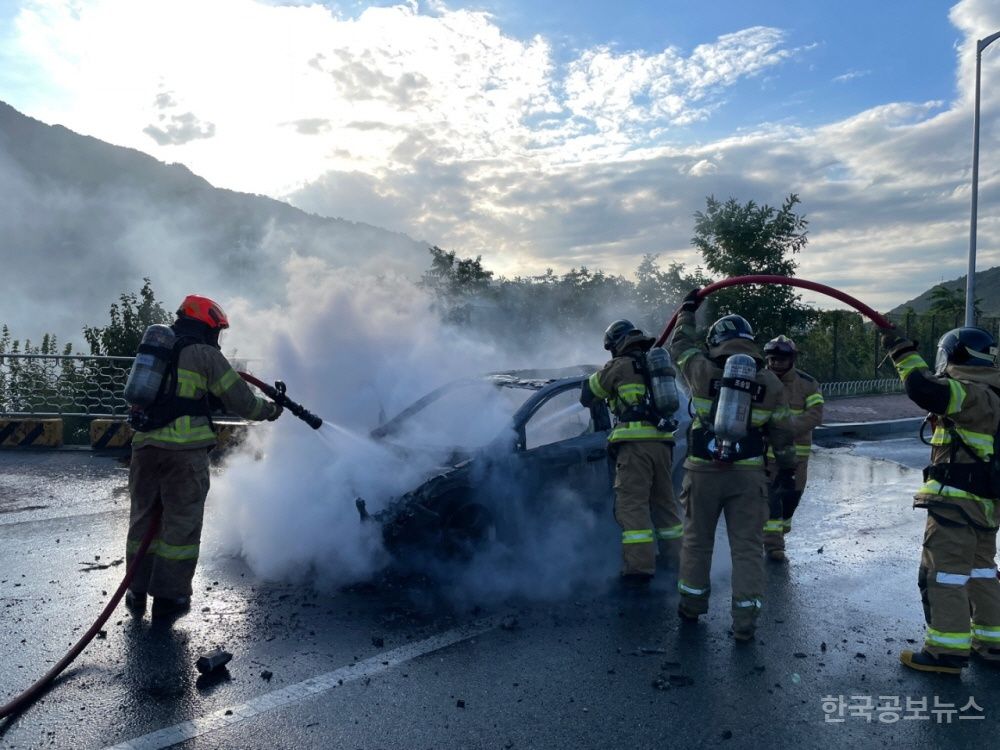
(861, 307)
(25, 699)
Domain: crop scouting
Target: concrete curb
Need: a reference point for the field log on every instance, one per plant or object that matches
(868, 430)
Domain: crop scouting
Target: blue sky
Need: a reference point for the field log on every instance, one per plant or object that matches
(551, 135)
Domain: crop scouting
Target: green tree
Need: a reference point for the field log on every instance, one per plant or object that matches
(129, 318)
(455, 283)
(746, 239)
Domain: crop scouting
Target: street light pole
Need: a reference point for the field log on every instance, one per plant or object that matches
(970, 280)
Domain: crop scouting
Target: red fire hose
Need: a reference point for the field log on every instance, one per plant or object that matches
(25, 699)
(861, 307)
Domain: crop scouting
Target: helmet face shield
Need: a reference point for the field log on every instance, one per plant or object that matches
(941, 361)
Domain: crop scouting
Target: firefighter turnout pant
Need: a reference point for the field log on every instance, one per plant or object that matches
(957, 569)
(175, 482)
(742, 496)
(782, 507)
(645, 507)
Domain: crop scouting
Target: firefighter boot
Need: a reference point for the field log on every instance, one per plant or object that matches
(167, 607)
(927, 662)
(135, 601)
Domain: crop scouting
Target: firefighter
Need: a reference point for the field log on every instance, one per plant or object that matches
(957, 567)
(728, 478)
(169, 465)
(805, 402)
(641, 444)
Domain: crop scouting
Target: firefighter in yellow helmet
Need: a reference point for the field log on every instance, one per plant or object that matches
(805, 402)
(169, 468)
(642, 446)
(732, 394)
(958, 576)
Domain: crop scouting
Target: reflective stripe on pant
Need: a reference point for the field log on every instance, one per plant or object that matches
(957, 570)
(742, 496)
(644, 502)
(782, 509)
(177, 481)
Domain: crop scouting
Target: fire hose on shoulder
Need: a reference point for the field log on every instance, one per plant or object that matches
(20, 702)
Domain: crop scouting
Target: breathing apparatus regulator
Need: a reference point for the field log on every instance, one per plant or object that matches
(732, 411)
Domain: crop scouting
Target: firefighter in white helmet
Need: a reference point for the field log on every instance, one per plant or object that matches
(805, 402)
(641, 444)
(739, 407)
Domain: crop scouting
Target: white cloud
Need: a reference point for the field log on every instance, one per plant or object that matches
(438, 124)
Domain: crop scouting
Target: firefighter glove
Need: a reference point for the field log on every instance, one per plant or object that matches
(784, 482)
(692, 300)
(896, 344)
(278, 409)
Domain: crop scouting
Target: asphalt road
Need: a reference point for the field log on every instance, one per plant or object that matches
(388, 665)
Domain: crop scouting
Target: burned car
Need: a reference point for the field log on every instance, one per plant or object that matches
(515, 439)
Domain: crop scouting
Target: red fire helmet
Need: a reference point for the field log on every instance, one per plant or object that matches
(205, 310)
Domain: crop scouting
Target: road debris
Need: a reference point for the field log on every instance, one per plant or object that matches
(213, 660)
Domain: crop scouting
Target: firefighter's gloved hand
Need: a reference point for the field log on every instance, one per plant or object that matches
(784, 482)
(278, 409)
(896, 344)
(691, 301)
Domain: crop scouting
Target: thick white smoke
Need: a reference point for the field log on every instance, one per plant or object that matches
(351, 347)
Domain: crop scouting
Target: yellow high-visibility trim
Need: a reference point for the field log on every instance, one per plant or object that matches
(637, 431)
(934, 487)
(689, 590)
(956, 397)
(814, 399)
(178, 432)
(174, 551)
(980, 442)
(223, 384)
(986, 633)
(774, 526)
(637, 536)
(670, 532)
(960, 641)
(908, 364)
(595, 386)
(686, 355)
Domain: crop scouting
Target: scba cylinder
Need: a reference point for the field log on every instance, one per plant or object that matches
(732, 415)
(663, 379)
(150, 365)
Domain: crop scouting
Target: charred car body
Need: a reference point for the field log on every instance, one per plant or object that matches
(529, 440)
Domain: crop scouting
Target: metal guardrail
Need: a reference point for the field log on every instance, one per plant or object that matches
(50, 385)
(861, 387)
(58, 385)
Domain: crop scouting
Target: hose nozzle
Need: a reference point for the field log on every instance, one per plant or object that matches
(276, 393)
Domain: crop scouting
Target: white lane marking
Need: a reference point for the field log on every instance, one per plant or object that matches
(226, 717)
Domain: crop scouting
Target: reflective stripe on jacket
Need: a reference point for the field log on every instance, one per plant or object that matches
(204, 369)
(770, 415)
(973, 412)
(624, 388)
(805, 403)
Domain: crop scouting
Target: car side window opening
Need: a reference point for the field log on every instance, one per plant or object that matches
(560, 418)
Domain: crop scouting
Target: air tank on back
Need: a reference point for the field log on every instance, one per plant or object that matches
(732, 415)
(150, 365)
(663, 379)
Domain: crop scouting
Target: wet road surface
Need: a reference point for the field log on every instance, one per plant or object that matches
(387, 666)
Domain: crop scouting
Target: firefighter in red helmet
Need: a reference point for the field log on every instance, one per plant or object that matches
(169, 470)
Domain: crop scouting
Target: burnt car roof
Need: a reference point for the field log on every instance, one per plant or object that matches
(530, 379)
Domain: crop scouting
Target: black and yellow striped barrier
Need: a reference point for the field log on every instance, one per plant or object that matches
(27, 432)
(110, 433)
